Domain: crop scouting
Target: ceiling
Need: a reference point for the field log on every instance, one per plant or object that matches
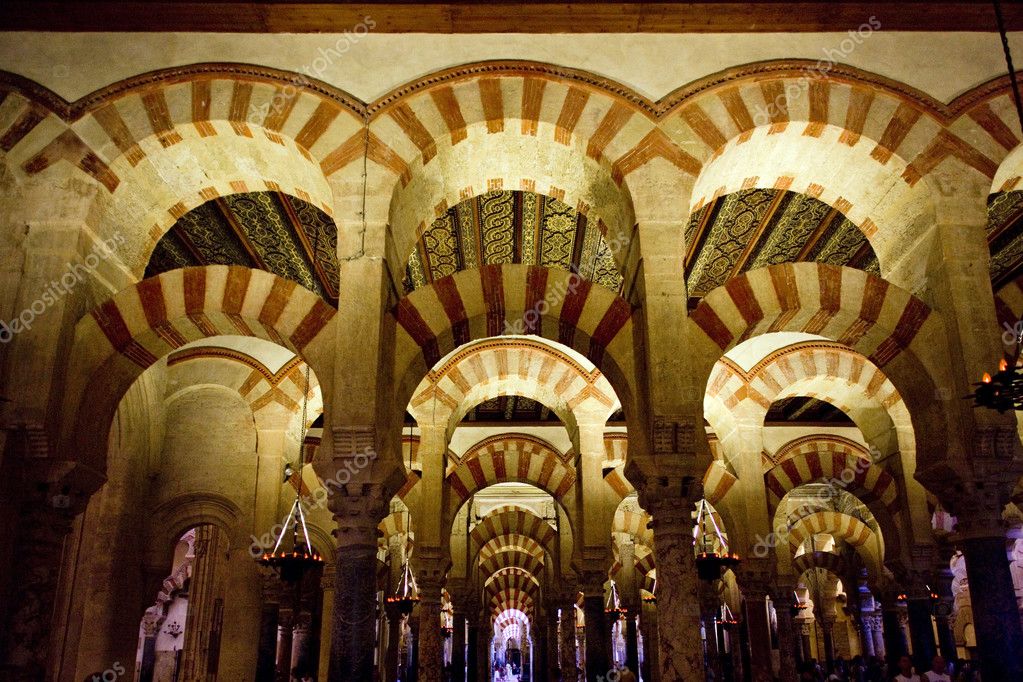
(259, 16)
(511, 227)
(804, 411)
(264, 230)
(1005, 236)
(759, 227)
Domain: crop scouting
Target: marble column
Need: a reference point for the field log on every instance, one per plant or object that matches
(754, 581)
(285, 634)
(327, 581)
(598, 634)
(458, 645)
(150, 629)
(648, 626)
(550, 633)
(205, 591)
(472, 646)
(894, 640)
(568, 654)
(921, 628)
(357, 512)
(394, 623)
(483, 662)
(995, 611)
(631, 641)
(266, 657)
(681, 650)
(431, 650)
(782, 597)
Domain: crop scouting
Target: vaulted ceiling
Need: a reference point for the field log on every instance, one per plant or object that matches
(805, 411)
(264, 230)
(511, 227)
(755, 228)
(1005, 236)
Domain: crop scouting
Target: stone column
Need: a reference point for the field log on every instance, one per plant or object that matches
(671, 503)
(894, 640)
(943, 613)
(485, 634)
(631, 641)
(150, 629)
(266, 657)
(394, 621)
(550, 634)
(782, 596)
(648, 626)
(539, 650)
(327, 582)
(472, 644)
(995, 613)
(754, 581)
(598, 634)
(199, 646)
(458, 644)
(431, 652)
(567, 630)
(921, 628)
(977, 498)
(39, 544)
(357, 512)
(285, 635)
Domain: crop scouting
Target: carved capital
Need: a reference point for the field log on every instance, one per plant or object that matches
(755, 577)
(358, 511)
(431, 566)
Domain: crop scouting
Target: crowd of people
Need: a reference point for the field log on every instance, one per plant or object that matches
(873, 669)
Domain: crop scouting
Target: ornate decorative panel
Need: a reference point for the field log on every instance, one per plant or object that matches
(264, 230)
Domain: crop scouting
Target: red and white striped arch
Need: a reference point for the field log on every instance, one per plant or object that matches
(275, 397)
(511, 366)
(832, 459)
(513, 523)
(512, 541)
(511, 558)
(842, 527)
(494, 300)
(836, 564)
(893, 329)
(817, 369)
(128, 333)
(510, 459)
(165, 142)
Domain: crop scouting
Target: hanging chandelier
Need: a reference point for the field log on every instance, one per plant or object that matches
(651, 598)
(293, 565)
(406, 595)
(1004, 390)
(614, 603)
(798, 606)
(712, 555)
(726, 619)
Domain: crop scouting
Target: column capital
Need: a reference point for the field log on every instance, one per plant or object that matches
(431, 566)
(755, 577)
(358, 510)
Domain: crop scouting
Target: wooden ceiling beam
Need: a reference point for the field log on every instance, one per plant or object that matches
(770, 16)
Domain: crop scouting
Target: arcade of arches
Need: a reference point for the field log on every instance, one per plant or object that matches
(508, 324)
